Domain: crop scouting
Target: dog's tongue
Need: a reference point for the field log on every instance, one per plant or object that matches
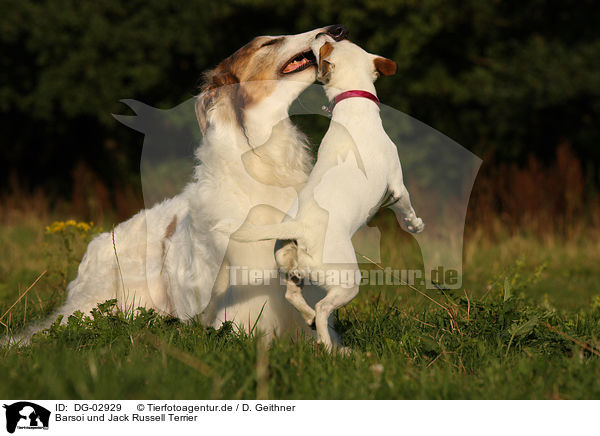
(292, 66)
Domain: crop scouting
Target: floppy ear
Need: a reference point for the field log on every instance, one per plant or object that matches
(325, 66)
(201, 107)
(385, 67)
(210, 92)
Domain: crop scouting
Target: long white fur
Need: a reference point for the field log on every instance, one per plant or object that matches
(186, 274)
(357, 167)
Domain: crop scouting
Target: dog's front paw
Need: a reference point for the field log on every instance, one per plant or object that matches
(415, 224)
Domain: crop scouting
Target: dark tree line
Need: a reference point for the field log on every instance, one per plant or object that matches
(506, 79)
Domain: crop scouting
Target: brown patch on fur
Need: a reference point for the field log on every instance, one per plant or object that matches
(324, 66)
(171, 228)
(170, 231)
(385, 67)
(215, 83)
(251, 63)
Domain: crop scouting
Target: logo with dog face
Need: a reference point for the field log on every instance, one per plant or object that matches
(26, 415)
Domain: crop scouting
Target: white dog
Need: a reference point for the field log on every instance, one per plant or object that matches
(357, 170)
(167, 257)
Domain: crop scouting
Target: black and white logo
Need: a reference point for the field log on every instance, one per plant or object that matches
(26, 415)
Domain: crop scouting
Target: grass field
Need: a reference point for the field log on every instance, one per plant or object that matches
(525, 325)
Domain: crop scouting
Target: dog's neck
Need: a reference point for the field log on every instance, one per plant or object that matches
(336, 86)
(268, 148)
(360, 103)
(272, 110)
(277, 149)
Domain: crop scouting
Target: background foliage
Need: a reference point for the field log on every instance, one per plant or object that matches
(505, 79)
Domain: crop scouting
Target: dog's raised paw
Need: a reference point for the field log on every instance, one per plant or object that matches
(416, 226)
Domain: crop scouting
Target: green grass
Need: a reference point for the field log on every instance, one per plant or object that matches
(525, 325)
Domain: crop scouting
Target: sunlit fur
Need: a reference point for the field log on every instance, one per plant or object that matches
(167, 257)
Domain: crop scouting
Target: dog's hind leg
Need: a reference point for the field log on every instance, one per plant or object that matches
(293, 294)
(337, 296)
(286, 255)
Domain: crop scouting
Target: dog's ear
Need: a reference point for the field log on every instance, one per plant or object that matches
(325, 66)
(385, 67)
(201, 107)
(215, 83)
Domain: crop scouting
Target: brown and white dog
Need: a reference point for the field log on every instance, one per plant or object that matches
(252, 157)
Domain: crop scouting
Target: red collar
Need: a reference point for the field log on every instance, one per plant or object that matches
(349, 94)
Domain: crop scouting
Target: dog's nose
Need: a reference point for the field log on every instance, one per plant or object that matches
(337, 32)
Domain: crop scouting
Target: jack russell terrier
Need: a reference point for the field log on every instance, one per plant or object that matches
(357, 172)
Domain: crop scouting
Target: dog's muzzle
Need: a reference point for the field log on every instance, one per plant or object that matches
(337, 32)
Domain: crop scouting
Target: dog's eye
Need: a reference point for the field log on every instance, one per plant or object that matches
(271, 42)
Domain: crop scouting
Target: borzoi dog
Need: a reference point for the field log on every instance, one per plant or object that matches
(167, 257)
(357, 170)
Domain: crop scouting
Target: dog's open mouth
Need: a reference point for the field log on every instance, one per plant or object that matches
(299, 62)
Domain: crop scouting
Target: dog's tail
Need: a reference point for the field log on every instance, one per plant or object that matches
(284, 230)
(23, 337)
(77, 299)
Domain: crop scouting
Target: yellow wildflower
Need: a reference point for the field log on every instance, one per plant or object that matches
(60, 226)
(55, 227)
(83, 226)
